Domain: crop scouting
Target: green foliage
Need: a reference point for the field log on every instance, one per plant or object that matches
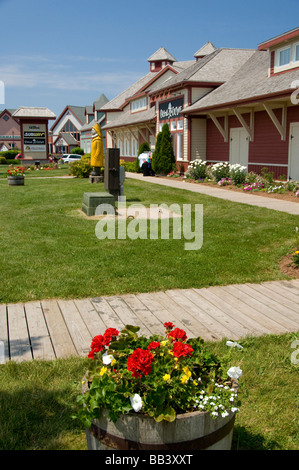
(80, 169)
(267, 175)
(220, 170)
(159, 376)
(163, 161)
(197, 169)
(2, 160)
(77, 151)
(10, 154)
(238, 174)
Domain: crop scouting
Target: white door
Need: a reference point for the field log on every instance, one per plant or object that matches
(238, 146)
(294, 151)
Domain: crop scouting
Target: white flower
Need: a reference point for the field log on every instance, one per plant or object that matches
(136, 402)
(233, 344)
(234, 372)
(224, 414)
(107, 358)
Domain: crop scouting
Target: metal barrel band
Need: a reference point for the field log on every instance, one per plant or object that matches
(199, 443)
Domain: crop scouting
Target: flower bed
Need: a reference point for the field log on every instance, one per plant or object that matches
(235, 177)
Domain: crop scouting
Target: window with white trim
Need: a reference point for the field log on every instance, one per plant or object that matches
(139, 105)
(284, 56)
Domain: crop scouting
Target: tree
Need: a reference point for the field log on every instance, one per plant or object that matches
(163, 159)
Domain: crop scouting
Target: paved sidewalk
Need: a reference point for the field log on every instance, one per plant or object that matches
(254, 200)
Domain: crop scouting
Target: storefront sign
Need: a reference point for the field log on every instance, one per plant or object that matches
(171, 109)
(34, 138)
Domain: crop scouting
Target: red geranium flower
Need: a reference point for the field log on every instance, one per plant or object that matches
(169, 325)
(140, 362)
(108, 335)
(180, 349)
(177, 334)
(153, 345)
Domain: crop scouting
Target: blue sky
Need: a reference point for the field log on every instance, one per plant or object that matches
(55, 53)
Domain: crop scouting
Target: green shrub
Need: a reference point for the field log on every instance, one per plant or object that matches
(80, 169)
(268, 175)
(220, 170)
(10, 154)
(197, 169)
(77, 151)
(2, 161)
(128, 166)
(238, 174)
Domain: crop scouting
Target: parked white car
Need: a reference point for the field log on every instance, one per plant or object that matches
(70, 157)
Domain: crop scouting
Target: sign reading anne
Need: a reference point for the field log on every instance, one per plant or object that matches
(171, 109)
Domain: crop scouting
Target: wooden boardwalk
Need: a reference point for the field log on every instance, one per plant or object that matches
(51, 329)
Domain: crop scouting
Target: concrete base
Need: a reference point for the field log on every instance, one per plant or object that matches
(96, 179)
(92, 200)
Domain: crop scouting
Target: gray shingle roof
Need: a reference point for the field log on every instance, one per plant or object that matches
(208, 48)
(161, 54)
(34, 112)
(127, 119)
(249, 82)
(216, 67)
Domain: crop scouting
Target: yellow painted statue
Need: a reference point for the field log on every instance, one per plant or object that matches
(97, 148)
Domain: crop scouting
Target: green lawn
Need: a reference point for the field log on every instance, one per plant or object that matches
(49, 249)
(38, 398)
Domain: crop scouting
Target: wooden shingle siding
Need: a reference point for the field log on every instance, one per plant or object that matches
(198, 139)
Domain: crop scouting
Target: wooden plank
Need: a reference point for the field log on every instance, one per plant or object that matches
(20, 349)
(204, 325)
(270, 317)
(90, 316)
(127, 316)
(180, 317)
(144, 314)
(61, 339)
(80, 335)
(212, 317)
(282, 291)
(216, 311)
(281, 304)
(256, 320)
(107, 314)
(158, 310)
(250, 326)
(4, 346)
(41, 344)
(290, 286)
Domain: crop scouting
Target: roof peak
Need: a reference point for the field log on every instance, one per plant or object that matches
(206, 49)
(162, 54)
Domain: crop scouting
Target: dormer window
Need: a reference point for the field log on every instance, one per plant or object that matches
(284, 56)
(139, 105)
(287, 57)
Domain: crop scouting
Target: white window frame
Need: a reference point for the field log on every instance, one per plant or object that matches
(139, 105)
(295, 46)
(279, 51)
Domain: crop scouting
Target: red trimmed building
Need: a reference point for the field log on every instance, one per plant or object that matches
(234, 105)
(253, 118)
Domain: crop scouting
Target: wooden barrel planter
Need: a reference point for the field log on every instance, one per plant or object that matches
(17, 180)
(134, 431)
